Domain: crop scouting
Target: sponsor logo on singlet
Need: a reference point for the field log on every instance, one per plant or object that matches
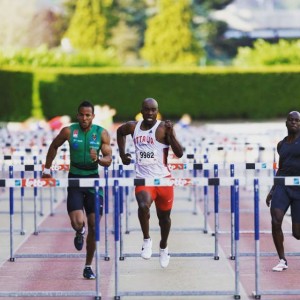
(143, 139)
(75, 133)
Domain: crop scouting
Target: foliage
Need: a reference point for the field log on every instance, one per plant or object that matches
(169, 38)
(264, 53)
(87, 26)
(44, 28)
(213, 4)
(127, 31)
(44, 57)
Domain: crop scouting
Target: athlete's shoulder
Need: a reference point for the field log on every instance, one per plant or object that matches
(279, 145)
(129, 124)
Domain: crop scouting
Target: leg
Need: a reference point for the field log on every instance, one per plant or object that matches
(296, 230)
(278, 238)
(90, 239)
(165, 226)
(295, 212)
(77, 219)
(144, 202)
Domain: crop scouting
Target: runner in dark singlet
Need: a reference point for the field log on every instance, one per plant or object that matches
(282, 197)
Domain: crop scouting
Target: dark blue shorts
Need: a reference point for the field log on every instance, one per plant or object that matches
(80, 198)
(285, 196)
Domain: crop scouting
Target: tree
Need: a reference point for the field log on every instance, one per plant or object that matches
(45, 29)
(169, 38)
(210, 31)
(88, 25)
(127, 25)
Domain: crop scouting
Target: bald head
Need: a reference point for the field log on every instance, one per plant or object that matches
(294, 114)
(150, 102)
(149, 111)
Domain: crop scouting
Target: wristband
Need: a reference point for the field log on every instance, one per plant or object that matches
(46, 171)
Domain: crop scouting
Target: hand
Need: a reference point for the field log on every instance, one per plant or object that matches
(268, 199)
(93, 154)
(169, 128)
(126, 159)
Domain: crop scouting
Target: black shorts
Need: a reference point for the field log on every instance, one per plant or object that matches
(80, 198)
(285, 196)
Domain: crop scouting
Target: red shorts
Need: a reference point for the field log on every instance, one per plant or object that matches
(162, 195)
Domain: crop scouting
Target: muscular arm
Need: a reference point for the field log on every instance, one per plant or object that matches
(172, 140)
(269, 196)
(122, 132)
(106, 150)
(56, 143)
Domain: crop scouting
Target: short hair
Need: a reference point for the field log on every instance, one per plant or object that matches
(86, 103)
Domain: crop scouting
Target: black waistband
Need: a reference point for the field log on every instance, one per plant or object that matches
(93, 166)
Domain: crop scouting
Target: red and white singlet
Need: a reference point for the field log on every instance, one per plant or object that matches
(151, 155)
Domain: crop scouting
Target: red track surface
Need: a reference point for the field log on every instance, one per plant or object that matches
(65, 274)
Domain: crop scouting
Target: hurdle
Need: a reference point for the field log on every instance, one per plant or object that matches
(180, 182)
(294, 181)
(173, 166)
(35, 183)
(11, 183)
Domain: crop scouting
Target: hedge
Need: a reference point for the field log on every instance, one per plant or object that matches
(206, 94)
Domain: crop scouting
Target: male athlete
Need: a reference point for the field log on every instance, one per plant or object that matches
(86, 140)
(152, 139)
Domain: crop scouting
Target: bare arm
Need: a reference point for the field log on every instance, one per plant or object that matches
(269, 196)
(56, 143)
(172, 140)
(106, 150)
(122, 132)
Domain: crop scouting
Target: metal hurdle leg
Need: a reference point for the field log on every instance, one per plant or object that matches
(127, 174)
(97, 239)
(117, 237)
(232, 208)
(35, 205)
(22, 232)
(256, 236)
(106, 208)
(205, 204)
(237, 237)
(216, 204)
(121, 199)
(11, 213)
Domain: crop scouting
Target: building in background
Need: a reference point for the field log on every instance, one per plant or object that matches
(267, 19)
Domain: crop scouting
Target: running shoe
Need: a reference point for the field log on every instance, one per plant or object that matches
(79, 239)
(282, 265)
(146, 249)
(164, 257)
(88, 273)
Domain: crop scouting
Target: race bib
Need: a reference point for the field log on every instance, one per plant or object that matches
(147, 157)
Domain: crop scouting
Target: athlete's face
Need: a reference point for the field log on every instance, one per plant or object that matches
(149, 111)
(293, 122)
(85, 117)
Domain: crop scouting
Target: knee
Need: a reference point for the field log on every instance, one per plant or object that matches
(143, 207)
(166, 220)
(77, 224)
(276, 226)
